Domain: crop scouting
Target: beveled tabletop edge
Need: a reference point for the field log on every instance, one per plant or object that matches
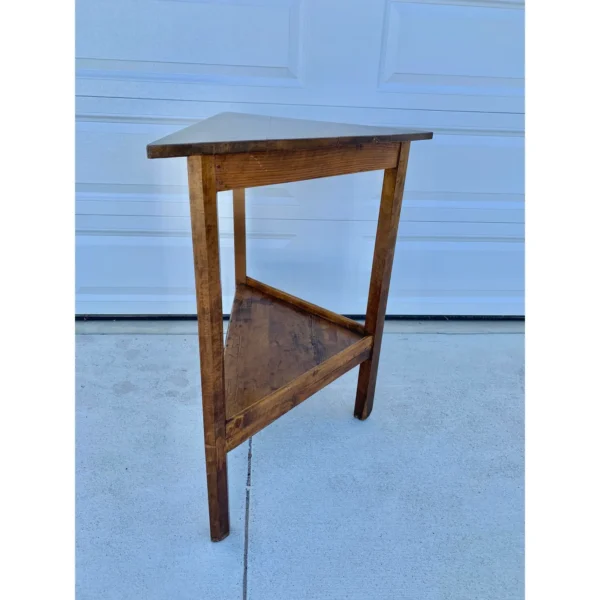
(166, 148)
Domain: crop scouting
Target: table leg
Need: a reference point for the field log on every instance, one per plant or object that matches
(381, 272)
(239, 234)
(205, 238)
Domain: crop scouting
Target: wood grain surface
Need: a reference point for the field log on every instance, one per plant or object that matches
(271, 343)
(279, 402)
(205, 238)
(284, 166)
(279, 349)
(239, 234)
(381, 272)
(308, 306)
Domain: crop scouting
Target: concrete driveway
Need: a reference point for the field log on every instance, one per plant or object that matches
(423, 501)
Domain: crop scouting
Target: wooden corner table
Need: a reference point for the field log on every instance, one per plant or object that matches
(279, 349)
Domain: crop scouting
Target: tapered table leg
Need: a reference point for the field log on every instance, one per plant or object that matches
(205, 238)
(383, 258)
(239, 234)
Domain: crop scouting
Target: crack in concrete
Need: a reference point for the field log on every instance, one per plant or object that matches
(247, 521)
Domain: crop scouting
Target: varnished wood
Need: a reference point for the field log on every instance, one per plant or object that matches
(239, 234)
(280, 349)
(275, 405)
(205, 238)
(284, 166)
(228, 133)
(381, 272)
(308, 306)
(270, 343)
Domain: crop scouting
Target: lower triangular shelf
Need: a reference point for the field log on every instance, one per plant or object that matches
(271, 343)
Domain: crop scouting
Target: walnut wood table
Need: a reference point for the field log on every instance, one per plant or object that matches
(279, 349)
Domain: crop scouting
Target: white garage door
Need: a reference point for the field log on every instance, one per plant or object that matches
(146, 68)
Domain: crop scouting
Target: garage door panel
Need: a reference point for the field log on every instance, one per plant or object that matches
(175, 114)
(232, 42)
(113, 156)
(453, 165)
(445, 48)
(324, 262)
(283, 204)
(453, 171)
(445, 261)
(164, 225)
(100, 84)
(418, 55)
(313, 238)
(471, 164)
(134, 274)
(146, 68)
